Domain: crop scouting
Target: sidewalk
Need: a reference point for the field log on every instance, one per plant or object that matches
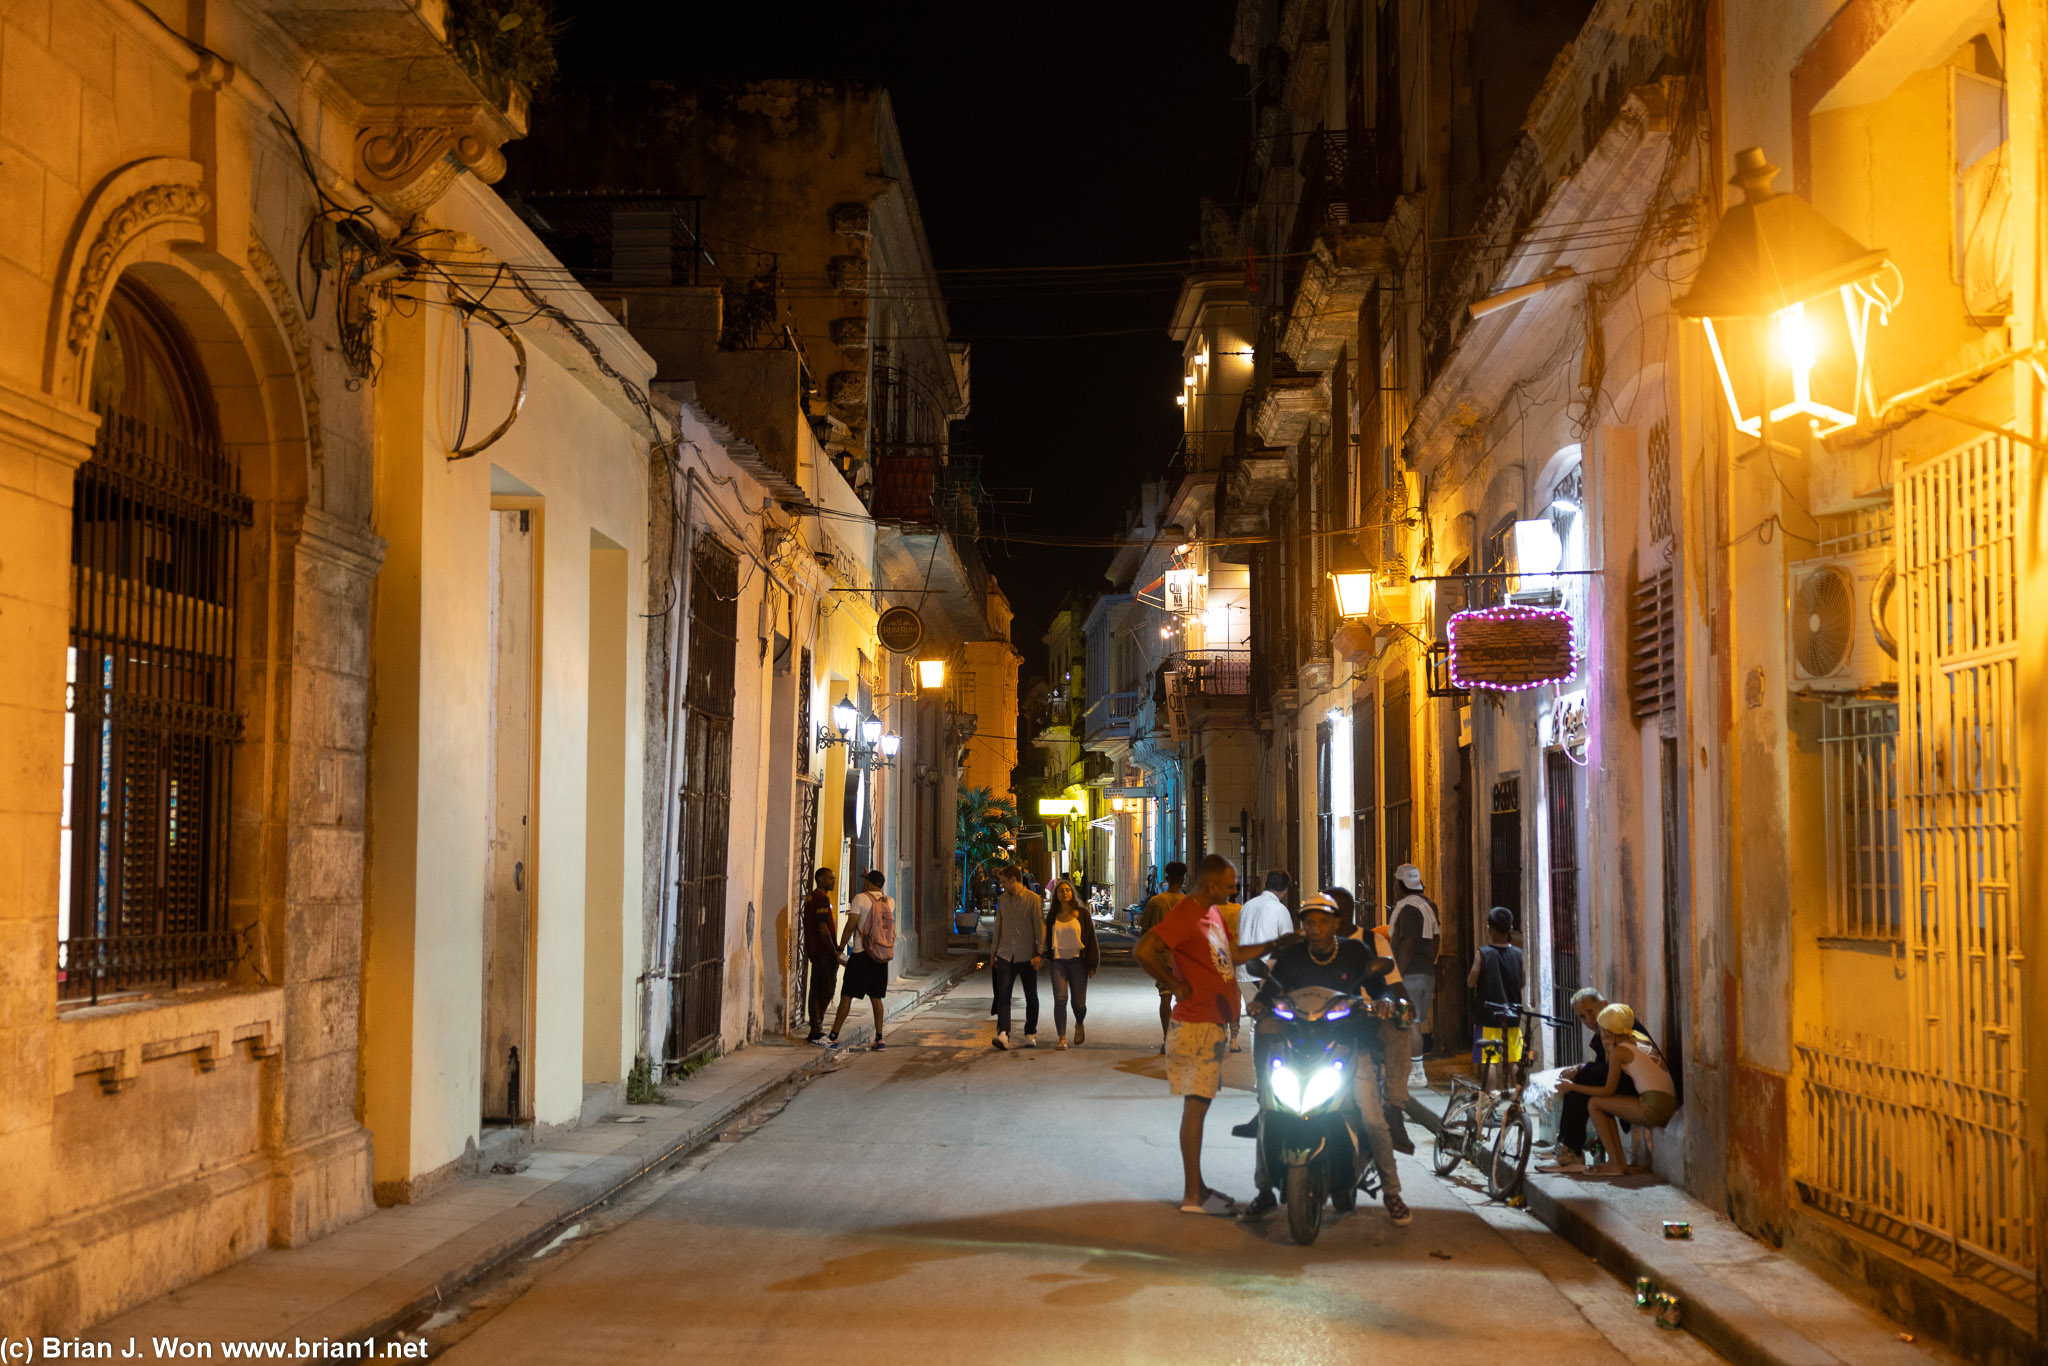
(365, 1279)
(1754, 1306)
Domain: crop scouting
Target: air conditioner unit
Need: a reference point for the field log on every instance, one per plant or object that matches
(1838, 605)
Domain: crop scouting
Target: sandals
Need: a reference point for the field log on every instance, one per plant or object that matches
(1212, 1202)
(1566, 1163)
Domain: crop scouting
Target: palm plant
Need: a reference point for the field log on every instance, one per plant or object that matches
(986, 832)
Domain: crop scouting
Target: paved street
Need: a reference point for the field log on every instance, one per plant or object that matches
(965, 1204)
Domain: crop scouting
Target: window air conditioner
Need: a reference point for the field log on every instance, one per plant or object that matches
(1840, 622)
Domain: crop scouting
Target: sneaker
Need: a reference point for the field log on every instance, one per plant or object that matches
(877, 1046)
(1248, 1129)
(1418, 1077)
(1061, 1046)
(1212, 1202)
(832, 1041)
(1000, 1041)
(1259, 1208)
(1031, 1041)
(1080, 1033)
(1397, 1210)
(818, 1040)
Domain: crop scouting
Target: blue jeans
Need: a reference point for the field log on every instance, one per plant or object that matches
(1069, 978)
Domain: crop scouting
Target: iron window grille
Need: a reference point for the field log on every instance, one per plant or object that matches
(1860, 782)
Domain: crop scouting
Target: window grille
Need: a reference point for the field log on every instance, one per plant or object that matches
(150, 718)
(1859, 755)
(1660, 480)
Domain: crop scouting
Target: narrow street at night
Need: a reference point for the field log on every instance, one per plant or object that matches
(950, 1202)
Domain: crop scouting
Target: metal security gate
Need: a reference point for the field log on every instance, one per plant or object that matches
(697, 967)
(1926, 1145)
(1561, 795)
(805, 855)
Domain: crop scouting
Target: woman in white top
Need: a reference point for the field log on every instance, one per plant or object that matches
(1656, 1098)
(1072, 957)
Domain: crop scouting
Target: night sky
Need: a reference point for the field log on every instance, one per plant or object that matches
(1038, 136)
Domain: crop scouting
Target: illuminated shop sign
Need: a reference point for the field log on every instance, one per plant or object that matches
(1509, 648)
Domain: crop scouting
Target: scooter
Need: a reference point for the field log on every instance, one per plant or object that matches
(1311, 1140)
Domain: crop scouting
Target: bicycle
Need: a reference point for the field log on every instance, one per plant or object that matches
(1473, 1111)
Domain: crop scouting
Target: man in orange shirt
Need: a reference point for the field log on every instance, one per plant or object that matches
(1190, 953)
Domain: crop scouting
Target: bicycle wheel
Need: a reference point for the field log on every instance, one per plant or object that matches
(1510, 1158)
(1455, 1134)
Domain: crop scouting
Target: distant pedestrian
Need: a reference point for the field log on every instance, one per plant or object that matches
(1414, 930)
(1496, 976)
(1072, 956)
(1019, 948)
(869, 945)
(1155, 910)
(821, 951)
(1191, 953)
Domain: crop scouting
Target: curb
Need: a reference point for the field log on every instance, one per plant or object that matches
(1720, 1316)
(488, 1259)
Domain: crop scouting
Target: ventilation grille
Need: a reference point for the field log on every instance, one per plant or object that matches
(1823, 621)
(1654, 626)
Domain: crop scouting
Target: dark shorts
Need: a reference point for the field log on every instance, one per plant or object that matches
(865, 976)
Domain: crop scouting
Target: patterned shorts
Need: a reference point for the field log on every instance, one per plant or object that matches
(1194, 1057)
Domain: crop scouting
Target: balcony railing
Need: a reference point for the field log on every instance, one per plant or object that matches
(1109, 716)
(1216, 673)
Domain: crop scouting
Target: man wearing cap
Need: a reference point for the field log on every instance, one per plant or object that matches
(1414, 928)
(1323, 959)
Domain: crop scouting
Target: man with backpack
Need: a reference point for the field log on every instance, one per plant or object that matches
(1496, 978)
(868, 945)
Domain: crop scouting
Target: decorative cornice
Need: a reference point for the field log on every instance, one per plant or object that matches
(187, 203)
(301, 340)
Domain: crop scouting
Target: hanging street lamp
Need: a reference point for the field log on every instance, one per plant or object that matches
(1786, 298)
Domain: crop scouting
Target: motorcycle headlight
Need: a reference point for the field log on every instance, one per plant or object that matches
(1281, 1009)
(1320, 1088)
(1286, 1087)
(1337, 1012)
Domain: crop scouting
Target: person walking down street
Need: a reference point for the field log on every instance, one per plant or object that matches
(869, 945)
(1262, 920)
(1019, 944)
(821, 951)
(1324, 959)
(1190, 952)
(1414, 930)
(1072, 957)
(1497, 976)
(1155, 910)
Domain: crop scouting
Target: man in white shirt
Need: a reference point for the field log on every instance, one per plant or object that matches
(1262, 920)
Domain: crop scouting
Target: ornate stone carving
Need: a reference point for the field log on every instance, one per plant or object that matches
(129, 218)
(407, 156)
(302, 353)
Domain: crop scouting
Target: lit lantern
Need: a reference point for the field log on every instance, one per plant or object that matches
(871, 731)
(1786, 298)
(931, 673)
(891, 742)
(1352, 581)
(843, 717)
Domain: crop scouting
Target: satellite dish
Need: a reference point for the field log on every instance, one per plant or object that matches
(1823, 621)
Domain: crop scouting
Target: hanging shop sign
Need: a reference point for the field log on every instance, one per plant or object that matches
(900, 629)
(1509, 648)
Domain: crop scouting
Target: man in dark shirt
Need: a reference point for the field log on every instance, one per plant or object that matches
(821, 950)
(1322, 959)
(1496, 976)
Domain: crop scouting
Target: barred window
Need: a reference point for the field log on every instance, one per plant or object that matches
(1859, 756)
(150, 714)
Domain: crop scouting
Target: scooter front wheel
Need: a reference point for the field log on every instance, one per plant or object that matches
(1304, 1204)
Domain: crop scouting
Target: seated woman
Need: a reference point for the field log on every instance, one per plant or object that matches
(1631, 1055)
